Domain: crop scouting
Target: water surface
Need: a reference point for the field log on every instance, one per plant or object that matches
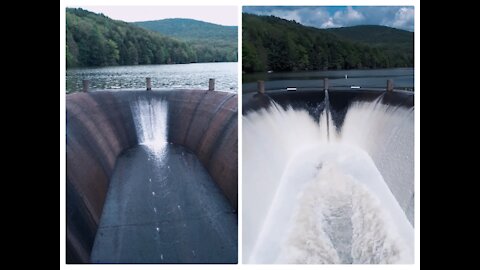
(181, 76)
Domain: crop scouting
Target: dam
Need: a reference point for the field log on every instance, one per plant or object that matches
(151, 177)
(328, 175)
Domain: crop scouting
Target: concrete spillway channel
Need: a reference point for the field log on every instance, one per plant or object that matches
(152, 177)
(328, 176)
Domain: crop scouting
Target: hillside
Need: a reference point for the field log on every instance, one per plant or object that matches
(96, 40)
(396, 42)
(271, 43)
(375, 35)
(188, 29)
(207, 38)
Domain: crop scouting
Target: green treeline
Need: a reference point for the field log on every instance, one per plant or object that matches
(209, 40)
(96, 40)
(271, 43)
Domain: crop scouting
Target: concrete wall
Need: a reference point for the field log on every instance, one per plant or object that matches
(100, 126)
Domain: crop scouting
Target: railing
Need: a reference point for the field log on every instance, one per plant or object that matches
(260, 85)
(326, 85)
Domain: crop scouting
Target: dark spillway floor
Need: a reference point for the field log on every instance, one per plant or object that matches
(165, 210)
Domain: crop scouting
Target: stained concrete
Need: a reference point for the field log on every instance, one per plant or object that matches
(165, 210)
(100, 128)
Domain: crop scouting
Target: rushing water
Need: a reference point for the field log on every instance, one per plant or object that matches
(150, 118)
(181, 76)
(371, 78)
(313, 194)
(162, 205)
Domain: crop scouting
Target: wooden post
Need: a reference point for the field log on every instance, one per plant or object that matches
(85, 84)
(261, 87)
(149, 83)
(211, 84)
(325, 83)
(389, 85)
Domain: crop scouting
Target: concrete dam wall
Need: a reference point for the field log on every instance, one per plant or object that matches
(101, 127)
(328, 176)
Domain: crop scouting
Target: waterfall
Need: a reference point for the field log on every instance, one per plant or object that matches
(311, 196)
(150, 117)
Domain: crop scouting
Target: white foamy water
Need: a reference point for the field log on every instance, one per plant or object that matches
(388, 136)
(150, 117)
(310, 199)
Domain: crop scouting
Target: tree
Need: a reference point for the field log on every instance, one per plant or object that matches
(95, 40)
(271, 43)
(112, 53)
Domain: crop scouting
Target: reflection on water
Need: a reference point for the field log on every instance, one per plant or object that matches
(181, 76)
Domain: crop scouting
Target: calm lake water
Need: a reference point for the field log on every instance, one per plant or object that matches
(181, 76)
(373, 78)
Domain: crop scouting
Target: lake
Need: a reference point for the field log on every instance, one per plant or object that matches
(179, 76)
(372, 78)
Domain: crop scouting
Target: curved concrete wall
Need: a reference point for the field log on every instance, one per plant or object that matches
(312, 100)
(100, 126)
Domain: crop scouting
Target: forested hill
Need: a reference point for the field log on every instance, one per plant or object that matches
(375, 35)
(188, 29)
(96, 40)
(394, 41)
(271, 43)
(206, 38)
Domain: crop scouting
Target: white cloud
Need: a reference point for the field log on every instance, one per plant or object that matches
(310, 16)
(315, 16)
(404, 18)
(348, 16)
(322, 17)
(330, 24)
(287, 14)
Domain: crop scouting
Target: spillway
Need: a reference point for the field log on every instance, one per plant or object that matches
(152, 177)
(328, 177)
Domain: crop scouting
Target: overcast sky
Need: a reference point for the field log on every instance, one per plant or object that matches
(339, 16)
(224, 15)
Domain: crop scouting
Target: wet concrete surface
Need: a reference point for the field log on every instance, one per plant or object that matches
(165, 208)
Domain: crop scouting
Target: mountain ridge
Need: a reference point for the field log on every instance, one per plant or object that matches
(94, 39)
(190, 29)
(373, 34)
(272, 43)
(207, 38)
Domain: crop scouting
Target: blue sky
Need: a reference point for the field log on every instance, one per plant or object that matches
(338, 16)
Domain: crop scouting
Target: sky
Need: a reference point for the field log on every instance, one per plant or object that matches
(339, 16)
(223, 15)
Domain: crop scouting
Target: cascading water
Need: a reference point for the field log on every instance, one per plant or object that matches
(150, 117)
(162, 205)
(314, 196)
(387, 134)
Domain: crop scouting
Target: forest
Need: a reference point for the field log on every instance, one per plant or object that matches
(95, 40)
(207, 39)
(271, 43)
